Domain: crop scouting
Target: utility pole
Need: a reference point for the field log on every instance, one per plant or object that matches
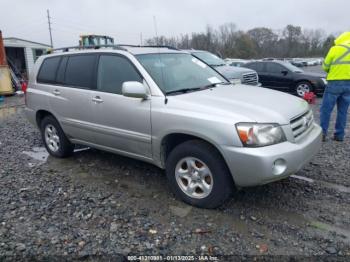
(156, 29)
(141, 40)
(49, 22)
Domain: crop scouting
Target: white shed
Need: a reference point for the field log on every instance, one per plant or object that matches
(23, 53)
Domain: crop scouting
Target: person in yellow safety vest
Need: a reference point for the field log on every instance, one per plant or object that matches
(337, 65)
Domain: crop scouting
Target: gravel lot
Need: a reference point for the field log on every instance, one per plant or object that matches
(97, 203)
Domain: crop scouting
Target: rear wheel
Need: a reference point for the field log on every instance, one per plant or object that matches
(56, 142)
(198, 175)
(302, 88)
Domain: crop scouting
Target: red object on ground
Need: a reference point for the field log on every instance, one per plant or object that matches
(310, 97)
(24, 86)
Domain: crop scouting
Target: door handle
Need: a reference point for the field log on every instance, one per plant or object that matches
(97, 100)
(56, 92)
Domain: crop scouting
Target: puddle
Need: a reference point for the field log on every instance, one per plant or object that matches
(331, 228)
(340, 188)
(38, 153)
(8, 111)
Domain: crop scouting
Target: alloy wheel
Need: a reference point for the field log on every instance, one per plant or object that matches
(51, 138)
(194, 177)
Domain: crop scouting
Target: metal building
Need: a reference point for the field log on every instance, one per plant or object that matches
(23, 53)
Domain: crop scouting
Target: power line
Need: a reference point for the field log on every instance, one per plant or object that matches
(49, 22)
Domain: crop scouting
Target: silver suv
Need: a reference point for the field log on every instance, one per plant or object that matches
(168, 108)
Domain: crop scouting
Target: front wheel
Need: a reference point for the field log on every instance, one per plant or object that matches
(198, 175)
(302, 88)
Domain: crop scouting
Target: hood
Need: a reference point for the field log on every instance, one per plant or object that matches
(233, 72)
(241, 103)
(344, 38)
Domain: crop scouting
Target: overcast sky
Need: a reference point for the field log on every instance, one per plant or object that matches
(125, 20)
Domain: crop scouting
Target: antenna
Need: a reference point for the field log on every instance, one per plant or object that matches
(49, 22)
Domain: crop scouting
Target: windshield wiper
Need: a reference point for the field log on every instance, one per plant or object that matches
(218, 65)
(183, 90)
(214, 85)
(186, 90)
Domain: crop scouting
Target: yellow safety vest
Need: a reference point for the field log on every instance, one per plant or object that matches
(337, 61)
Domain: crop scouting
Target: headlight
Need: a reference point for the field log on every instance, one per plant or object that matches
(236, 81)
(324, 80)
(259, 135)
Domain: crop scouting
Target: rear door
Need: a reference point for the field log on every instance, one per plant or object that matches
(122, 123)
(71, 99)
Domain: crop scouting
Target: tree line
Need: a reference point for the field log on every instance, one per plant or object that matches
(259, 42)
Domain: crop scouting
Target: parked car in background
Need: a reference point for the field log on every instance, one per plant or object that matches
(236, 75)
(170, 109)
(283, 76)
(236, 62)
(297, 63)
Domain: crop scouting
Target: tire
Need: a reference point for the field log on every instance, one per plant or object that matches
(51, 130)
(201, 156)
(302, 87)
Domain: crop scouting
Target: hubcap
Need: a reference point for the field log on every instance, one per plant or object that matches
(51, 138)
(194, 177)
(302, 89)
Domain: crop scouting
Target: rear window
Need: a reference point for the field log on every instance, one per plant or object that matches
(80, 71)
(48, 69)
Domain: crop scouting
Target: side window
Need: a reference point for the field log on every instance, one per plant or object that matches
(274, 68)
(48, 69)
(260, 67)
(251, 66)
(61, 70)
(80, 71)
(113, 71)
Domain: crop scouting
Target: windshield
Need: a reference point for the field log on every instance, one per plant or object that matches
(209, 58)
(292, 68)
(178, 71)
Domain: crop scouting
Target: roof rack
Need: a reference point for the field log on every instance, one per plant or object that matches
(69, 48)
(118, 47)
(151, 46)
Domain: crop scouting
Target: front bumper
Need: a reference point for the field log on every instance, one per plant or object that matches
(258, 166)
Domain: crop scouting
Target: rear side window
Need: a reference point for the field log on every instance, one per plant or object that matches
(259, 67)
(113, 71)
(61, 70)
(48, 69)
(80, 71)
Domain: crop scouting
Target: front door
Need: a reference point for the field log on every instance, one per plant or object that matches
(279, 77)
(121, 123)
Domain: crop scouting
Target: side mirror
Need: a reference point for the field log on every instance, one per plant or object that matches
(134, 89)
(284, 72)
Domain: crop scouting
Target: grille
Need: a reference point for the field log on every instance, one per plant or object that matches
(302, 124)
(250, 79)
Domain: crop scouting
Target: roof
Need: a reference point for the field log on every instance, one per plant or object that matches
(151, 50)
(23, 40)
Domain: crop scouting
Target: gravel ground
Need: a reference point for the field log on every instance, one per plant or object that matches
(98, 204)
